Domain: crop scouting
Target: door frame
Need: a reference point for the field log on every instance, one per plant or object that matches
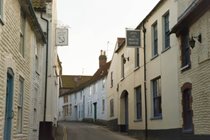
(124, 111)
(95, 111)
(187, 112)
(9, 114)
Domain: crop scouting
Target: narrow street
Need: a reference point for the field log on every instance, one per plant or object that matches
(86, 131)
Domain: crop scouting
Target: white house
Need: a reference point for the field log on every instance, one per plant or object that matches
(87, 101)
(46, 15)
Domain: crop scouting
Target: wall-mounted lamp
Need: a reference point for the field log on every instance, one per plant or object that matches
(192, 40)
(125, 59)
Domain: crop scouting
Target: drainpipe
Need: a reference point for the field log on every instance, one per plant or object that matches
(46, 69)
(145, 86)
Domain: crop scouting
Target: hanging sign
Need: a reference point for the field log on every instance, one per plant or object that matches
(133, 38)
(61, 37)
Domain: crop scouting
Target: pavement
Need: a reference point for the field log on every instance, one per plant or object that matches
(61, 132)
(84, 131)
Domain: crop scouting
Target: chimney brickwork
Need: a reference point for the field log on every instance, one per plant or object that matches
(102, 58)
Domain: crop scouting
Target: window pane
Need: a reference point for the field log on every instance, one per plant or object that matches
(157, 109)
(167, 32)
(22, 32)
(111, 79)
(185, 49)
(122, 66)
(137, 57)
(155, 40)
(138, 103)
(111, 108)
(103, 105)
(1, 7)
(19, 120)
(20, 105)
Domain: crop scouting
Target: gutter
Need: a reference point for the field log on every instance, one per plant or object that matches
(190, 15)
(46, 68)
(145, 86)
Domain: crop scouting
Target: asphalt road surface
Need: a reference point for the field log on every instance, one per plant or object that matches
(86, 131)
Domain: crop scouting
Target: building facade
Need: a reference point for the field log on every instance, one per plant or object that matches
(143, 82)
(192, 30)
(20, 35)
(87, 101)
(161, 108)
(47, 17)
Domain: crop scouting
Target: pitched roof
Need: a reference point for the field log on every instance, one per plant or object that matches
(191, 14)
(73, 81)
(101, 72)
(40, 4)
(120, 44)
(33, 21)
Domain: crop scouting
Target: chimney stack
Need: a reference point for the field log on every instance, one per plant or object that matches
(102, 58)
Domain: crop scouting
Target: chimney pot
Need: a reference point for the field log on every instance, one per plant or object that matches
(102, 58)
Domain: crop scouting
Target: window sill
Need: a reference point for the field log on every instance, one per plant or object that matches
(136, 68)
(20, 135)
(165, 49)
(155, 56)
(37, 73)
(34, 129)
(186, 67)
(122, 78)
(138, 120)
(1, 21)
(156, 118)
(187, 131)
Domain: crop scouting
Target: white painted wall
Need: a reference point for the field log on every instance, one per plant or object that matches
(164, 65)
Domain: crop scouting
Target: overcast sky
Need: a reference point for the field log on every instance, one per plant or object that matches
(94, 25)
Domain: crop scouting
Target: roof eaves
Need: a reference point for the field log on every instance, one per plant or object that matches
(195, 11)
(150, 13)
(27, 7)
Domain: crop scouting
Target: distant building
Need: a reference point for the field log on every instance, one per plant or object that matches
(68, 84)
(86, 101)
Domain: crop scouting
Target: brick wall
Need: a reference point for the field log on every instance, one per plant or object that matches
(199, 76)
(10, 57)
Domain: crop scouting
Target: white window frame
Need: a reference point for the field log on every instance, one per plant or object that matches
(138, 102)
(111, 102)
(154, 39)
(20, 106)
(165, 47)
(111, 80)
(122, 66)
(1, 9)
(156, 96)
(137, 57)
(22, 33)
(103, 105)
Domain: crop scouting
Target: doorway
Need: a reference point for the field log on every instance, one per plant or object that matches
(9, 104)
(75, 113)
(95, 111)
(187, 111)
(187, 108)
(124, 111)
